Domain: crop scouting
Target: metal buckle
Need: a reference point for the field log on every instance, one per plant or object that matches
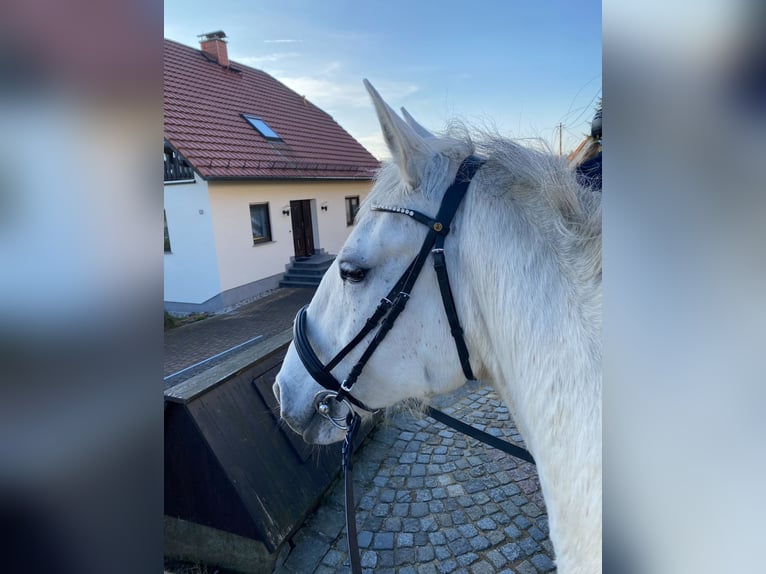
(324, 402)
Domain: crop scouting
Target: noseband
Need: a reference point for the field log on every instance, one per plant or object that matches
(390, 307)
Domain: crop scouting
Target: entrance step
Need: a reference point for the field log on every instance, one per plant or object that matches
(306, 271)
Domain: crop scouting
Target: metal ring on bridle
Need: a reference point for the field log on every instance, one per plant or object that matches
(323, 407)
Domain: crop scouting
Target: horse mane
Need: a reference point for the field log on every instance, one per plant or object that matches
(545, 186)
(535, 180)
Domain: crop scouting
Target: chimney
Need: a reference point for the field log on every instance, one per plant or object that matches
(214, 45)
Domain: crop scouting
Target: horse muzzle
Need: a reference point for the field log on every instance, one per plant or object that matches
(323, 421)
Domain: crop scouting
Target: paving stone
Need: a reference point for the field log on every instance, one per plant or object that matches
(420, 538)
(525, 568)
(381, 510)
(511, 551)
(400, 509)
(455, 490)
(414, 482)
(473, 486)
(447, 566)
(387, 495)
(467, 559)
(411, 525)
(479, 543)
(531, 509)
(542, 562)
(369, 559)
(468, 530)
(408, 458)
(459, 546)
(437, 538)
(364, 537)
(528, 545)
(393, 524)
(482, 568)
(404, 556)
(386, 560)
(486, 524)
(425, 554)
(383, 541)
(333, 558)
(418, 509)
(495, 537)
(439, 492)
(536, 533)
(522, 522)
(428, 524)
(496, 558)
(404, 539)
(442, 552)
(423, 496)
(512, 532)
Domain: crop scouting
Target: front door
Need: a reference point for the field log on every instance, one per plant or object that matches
(303, 231)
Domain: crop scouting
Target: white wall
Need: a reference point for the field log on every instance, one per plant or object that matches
(191, 269)
(240, 261)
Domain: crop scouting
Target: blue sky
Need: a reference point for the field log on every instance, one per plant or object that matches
(521, 67)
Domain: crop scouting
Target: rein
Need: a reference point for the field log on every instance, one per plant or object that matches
(338, 394)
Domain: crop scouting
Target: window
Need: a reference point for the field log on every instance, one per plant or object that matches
(259, 219)
(167, 235)
(352, 206)
(263, 128)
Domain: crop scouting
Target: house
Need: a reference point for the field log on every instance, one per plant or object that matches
(256, 178)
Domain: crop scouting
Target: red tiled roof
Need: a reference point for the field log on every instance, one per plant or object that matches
(204, 103)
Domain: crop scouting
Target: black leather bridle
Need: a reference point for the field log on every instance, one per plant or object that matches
(385, 315)
(392, 305)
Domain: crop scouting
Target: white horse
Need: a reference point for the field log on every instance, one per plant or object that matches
(524, 260)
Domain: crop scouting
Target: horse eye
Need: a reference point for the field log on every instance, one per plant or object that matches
(353, 274)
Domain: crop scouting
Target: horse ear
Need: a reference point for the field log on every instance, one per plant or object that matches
(408, 148)
(420, 130)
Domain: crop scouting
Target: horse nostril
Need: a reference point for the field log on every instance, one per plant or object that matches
(275, 390)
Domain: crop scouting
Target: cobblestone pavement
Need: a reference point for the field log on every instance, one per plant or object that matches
(267, 316)
(431, 500)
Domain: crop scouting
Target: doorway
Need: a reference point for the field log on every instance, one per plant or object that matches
(303, 230)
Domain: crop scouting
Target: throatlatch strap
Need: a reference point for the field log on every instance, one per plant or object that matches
(482, 436)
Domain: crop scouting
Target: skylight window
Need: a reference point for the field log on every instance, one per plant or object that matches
(262, 127)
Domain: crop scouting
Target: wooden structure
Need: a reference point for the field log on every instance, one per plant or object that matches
(230, 464)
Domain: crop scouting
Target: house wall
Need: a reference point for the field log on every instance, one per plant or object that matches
(247, 269)
(192, 278)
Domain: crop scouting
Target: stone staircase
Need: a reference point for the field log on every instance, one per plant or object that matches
(306, 272)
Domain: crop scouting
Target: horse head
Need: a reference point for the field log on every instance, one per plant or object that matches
(417, 359)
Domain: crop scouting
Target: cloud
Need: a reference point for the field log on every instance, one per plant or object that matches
(331, 93)
(266, 58)
(281, 41)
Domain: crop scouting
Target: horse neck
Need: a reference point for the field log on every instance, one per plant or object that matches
(536, 331)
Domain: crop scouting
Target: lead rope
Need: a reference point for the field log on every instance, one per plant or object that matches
(352, 424)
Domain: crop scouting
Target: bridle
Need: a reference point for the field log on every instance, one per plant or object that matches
(391, 306)
(388, 310)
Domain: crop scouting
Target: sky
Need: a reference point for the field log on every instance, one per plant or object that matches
(520, 67)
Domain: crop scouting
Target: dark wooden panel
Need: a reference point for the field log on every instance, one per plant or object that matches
(231, 464)
(196, 487)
